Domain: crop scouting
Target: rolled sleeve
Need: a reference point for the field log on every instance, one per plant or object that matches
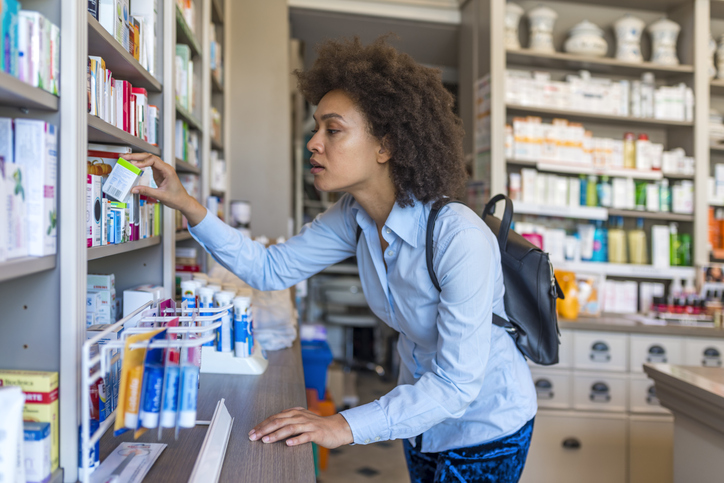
(368, 423)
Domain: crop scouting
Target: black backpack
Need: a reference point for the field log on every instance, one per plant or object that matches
(531, 289)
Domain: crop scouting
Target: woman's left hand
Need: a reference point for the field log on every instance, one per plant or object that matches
(305, 426)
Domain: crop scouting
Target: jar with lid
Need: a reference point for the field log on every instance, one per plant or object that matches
(541, 21)
(664, 33)
(513, 12)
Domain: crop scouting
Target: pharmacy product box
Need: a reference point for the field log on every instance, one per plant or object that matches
(41, 401)
(101, 282)
(136, 297)
(93, 202)
(92, 301)
(9, 29)
(15, 207)
(316, 357)
(31, 40)
(37, 452)
(36, 150)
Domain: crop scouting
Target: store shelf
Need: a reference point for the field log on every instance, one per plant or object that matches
(563, 168)
(99, 131)
(717, 147)
(217, 193)
(95, 253)
(21, 267)
(717, 9)
(184, 35)
(187, 116)
(579, 212)
(14, 92)
(716, 87)
(217, 13)
(216, 145)
(183, 235)
(716, 203)
(184, 167)
(627, 270)
(118, 60)
(215, 85)
(651, 215)
(57, 476)
(603, 65)
(592, 117)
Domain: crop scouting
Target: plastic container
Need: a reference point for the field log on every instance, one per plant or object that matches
(316, 358)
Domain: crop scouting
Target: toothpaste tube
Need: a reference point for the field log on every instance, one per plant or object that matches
(169, 407)
(224, 334)
(152, 385)
(189, 395)
(243, 339)
(206, 301)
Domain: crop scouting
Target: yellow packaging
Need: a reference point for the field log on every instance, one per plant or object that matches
(41, 401)
(132, 359)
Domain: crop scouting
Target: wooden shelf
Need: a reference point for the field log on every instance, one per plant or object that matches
(118, 60)
(661, 6)
(215, 85)
(14, 92)
(593, 117)
(578, 212)
(217, 13)
(184, 167)
(218, 193)
(651, 215)
(183, 235)
(187, 116)
(95, 253)
(627, 270)
(563, 168)
(717, 147)
(184, 35)
(21, 267)
(99, 131)
(216, 145)
(602, 65)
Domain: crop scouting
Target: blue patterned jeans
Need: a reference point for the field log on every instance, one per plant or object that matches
(499, 461)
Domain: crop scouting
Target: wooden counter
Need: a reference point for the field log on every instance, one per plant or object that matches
(250, 400)
(620, 323)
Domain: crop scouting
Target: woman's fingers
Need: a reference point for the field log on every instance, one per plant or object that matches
(286, 431)
(301, 439)
(148, 191)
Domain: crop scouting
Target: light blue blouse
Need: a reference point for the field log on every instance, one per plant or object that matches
(462, 380)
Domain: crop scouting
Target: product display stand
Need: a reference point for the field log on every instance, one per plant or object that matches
(211, 457)
(214, 362)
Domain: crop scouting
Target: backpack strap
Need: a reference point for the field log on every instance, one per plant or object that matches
(428, 240)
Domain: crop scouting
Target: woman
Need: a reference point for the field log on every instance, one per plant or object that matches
(386, 135)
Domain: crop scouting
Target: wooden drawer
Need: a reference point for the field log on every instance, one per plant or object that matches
(600, 351)
(651, 449)
(642, 396)
(553, 388)
(571, 447)
(600, 391)
(703, 352)
(646, 349)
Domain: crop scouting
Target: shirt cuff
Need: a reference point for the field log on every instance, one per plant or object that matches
(368, 423)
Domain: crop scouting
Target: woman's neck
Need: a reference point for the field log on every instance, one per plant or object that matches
(377, 202)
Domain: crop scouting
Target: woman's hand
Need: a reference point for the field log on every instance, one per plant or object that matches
(304, 426)
(170, 191)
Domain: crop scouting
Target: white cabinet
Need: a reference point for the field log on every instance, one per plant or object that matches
(600, 351)
(565, 351)
(651, 449)
(655, 349)
(642, 396)
(552, 387)
(572, 447)
(600, 391)
(703, 352)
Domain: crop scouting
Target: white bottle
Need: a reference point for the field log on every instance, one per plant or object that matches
(648, 86)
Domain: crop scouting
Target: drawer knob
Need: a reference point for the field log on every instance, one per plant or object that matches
(712, 357)
(600, 352)
(571, 443)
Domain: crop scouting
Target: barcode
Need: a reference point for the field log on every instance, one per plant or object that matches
(114, 192)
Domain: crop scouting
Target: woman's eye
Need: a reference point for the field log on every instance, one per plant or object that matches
(314, 131)
(332, 131)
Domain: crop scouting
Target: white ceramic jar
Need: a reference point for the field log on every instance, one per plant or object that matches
(513, 12)
(541, 20)
(586, 38)
(664, 33)
(628, 31)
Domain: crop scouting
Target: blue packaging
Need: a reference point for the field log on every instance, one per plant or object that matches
(243, 337)
(316, 358)
(37, 451)
(584, 191)
(225, 333)
(151, 405)
(170, 397)
(189, 395)
(600, 243)
(93, 460)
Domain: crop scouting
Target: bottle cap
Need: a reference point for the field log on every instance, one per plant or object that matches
(629, 136)
(643, 137)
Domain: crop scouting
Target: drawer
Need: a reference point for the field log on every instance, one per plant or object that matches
(703, 352)
(600, 351)
(600, 391)
(651, 449)
(565, 352)
(570, 447)
(553, 388)
(647, 349)
(642, 396)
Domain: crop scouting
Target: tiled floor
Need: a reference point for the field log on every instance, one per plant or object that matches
(379, 462)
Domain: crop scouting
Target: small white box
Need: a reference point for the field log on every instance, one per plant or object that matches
(136, 297)
(92, 301)
(36, 451)
(101, 281)
(660, 242)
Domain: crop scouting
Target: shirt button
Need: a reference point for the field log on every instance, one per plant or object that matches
(389, 231)
(377, 438)
(367, 440)
(390, 253)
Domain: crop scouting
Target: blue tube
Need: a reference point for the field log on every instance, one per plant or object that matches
(151, 398)
(189, 395)
(169, 405)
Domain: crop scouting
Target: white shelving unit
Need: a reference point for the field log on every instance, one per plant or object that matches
(628, 270)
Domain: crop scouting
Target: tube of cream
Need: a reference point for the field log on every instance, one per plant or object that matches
(189, 395)
(12, 461)
(243, 341)
(224, 334)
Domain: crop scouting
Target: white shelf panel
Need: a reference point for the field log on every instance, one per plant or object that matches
(184, 167)
(187, 116)
(21, 267)
(579, 212)
(95, 253)
(118, 60)
(627, 270)
(99, 131)
(184, 35)
(14, 92)
(605, 65)
(217, 13)
(593, 117)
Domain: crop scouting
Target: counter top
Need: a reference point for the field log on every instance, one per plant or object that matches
(612, 323)
(697, 392)
(250, 400)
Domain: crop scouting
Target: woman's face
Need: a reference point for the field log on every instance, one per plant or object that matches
(345, 156)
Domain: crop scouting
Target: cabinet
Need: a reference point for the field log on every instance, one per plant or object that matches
(655, 350)
(651, 447)
(600, 351)
(703, 352)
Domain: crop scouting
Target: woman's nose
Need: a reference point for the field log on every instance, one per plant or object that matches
(314, 144)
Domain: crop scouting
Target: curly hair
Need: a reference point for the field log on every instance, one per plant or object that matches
(406, 107)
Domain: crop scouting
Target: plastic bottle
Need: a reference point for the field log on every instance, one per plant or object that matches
(664, 196)
(600, 243)
(638, 247)
(592, 190)
(684, 252)
(617, 241)
(605, 192)
(629, 150)
(640, 195)
(674, 244)
(584, 190)
(643, 160)
(648, 87)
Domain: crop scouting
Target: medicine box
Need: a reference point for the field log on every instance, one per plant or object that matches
(9, 28)
(36, 150)
(123, 177)
(93, 302)
(41, 401)
(101, 281)
(15, 210)
(36, 451)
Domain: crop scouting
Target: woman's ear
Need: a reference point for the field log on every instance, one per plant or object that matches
(383, 152)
